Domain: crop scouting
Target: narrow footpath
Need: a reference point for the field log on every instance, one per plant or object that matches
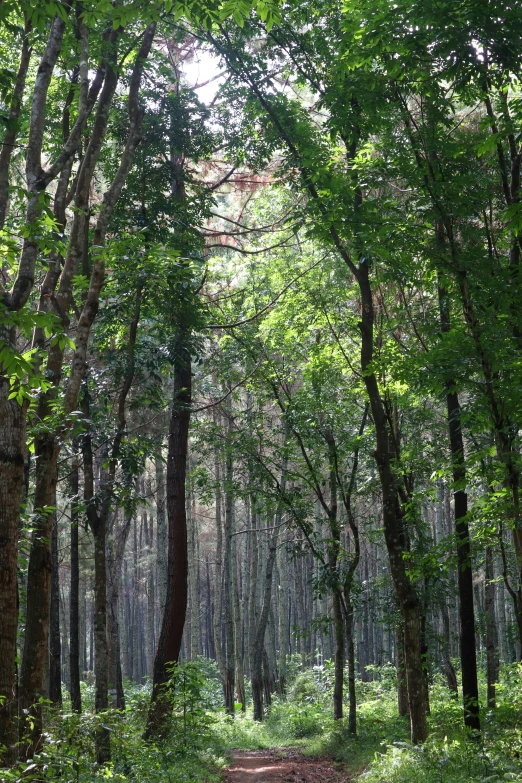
(281, 764)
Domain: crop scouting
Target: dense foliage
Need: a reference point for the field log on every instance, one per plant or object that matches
(260, 371)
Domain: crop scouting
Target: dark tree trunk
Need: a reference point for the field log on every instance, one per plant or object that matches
(173, 623)
(491, 630)
(338, 655)
(36, 642)
(12, 440)
(161, 533)
(447, 666)
(74, 595)
(350, 652)
(114, 574)
(55, 646)
(402, 687)
(97, 523)
(393, 521)
(258, 641)
(468, 653)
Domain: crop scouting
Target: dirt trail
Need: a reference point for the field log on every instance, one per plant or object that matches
(281, 765)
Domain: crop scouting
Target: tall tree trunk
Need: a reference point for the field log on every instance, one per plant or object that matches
(55, 646)
(257, 641)
(173, 622)
(74, 594)
(98, 526)
(393, 519)
(161, 534)
(230, 664)
(238, 636)
(350, 653)
(193, 574)
(283, 615)
(492, 661)
(12, 442)
(116, 552)
(402, 689)
(468, 653)
(446, 664)
(148, 530)
(218, 574)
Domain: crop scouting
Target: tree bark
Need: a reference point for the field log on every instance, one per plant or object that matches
(173, 623)
(161, 533)
(218, 588)
(116, 550)
(74, 594)
(492, 661)
(283, 615)
(12, 441)
(11, 133)
(55, 646)
(468, 653)
(238, 636)
(227, 566)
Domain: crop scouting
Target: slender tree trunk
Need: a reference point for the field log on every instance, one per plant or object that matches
(468, 653)
(283, 615)
(491, 630)
(446, 664)
(393, 521)
(402, 690)
(101, 657)
(12, 126)
(350, 650)
(257, 640)
(218, 575)
(238, 636)
(12, 441)
(148, 530)
(74, 594)
(98, 526)
(55, 646)
(230, 664)
(193, 574)
(116, 552)
(173, 623)
(161, 534)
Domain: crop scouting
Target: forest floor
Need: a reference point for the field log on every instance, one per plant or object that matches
(281, 764)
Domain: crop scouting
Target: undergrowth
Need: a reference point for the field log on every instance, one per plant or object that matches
(202, 736)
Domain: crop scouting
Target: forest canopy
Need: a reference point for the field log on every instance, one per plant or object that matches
(260, 386)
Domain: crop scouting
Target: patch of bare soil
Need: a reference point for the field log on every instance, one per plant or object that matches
(280, 766)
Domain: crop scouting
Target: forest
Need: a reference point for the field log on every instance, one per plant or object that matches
(260, 391)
